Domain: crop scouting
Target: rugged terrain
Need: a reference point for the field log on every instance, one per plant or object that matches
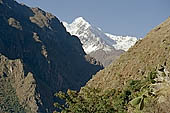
(102, 46)
(150, 55)
(138, 82)
(144, 56)
(37, 58)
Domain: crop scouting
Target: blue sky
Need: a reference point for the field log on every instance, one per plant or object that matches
(120, 17)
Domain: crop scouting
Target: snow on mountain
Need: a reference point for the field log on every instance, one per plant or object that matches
(94, 38)
(123, 43)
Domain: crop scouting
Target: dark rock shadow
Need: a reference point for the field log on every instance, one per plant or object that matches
(63, 68)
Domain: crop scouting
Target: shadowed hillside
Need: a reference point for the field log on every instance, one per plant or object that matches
(38, 58)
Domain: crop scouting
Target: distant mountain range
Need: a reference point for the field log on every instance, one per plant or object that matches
(97, 43)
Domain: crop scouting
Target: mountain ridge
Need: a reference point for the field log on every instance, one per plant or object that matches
(80, 24)
(147, 60)
(137, 82)
(102, 46)
(144, 56)
(38, 58)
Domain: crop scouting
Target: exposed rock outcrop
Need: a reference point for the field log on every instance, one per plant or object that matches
(39, 57)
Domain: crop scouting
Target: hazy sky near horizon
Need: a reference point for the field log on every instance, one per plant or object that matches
(120, 17)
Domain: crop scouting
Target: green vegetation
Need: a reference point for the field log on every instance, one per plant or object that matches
(9, 102)
(135, 95)
(89, 101)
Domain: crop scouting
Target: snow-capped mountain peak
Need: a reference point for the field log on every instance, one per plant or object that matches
(79, 24)
(80, 20)
(93, 38)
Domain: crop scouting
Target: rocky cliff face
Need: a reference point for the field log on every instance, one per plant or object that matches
(17, 89)
(38, 58)
(152, 54)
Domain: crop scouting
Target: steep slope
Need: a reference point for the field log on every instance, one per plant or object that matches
(148, 55)
(38, 58)
(138, 60)
(98, 44)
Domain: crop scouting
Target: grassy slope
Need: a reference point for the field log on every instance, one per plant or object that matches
(144, 56)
